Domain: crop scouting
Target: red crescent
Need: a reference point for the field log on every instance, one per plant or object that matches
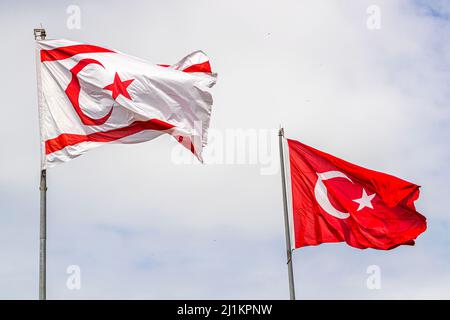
(73, 93)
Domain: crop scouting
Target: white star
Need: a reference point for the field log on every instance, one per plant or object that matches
(365, 200)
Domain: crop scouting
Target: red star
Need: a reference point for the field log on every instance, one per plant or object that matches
(119, 87)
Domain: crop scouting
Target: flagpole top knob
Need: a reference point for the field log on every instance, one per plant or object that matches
(39, 34)
(281, 132)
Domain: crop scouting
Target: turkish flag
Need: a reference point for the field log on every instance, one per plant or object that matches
(336, 201)
(91, 95)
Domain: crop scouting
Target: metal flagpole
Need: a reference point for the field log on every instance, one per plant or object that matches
(43, 238)
(286, 218)
(39, 34)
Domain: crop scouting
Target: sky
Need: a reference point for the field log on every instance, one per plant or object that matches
(367, 81)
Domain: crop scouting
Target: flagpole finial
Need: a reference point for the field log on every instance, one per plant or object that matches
(281, 132)
(39, 34)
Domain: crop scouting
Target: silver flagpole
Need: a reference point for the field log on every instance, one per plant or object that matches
(39, 34)
(286, 218)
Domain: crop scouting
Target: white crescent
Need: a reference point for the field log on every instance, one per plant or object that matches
(321, 193)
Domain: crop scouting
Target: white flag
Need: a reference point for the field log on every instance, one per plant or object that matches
(89, 95)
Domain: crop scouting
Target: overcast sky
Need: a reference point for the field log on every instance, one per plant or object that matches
(142, 226)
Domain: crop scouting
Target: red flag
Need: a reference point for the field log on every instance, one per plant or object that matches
(336, 201)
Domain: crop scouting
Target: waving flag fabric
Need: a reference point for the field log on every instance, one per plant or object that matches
(90, 95)
(336, 201)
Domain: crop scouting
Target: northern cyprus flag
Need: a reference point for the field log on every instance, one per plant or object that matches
(90, 95)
